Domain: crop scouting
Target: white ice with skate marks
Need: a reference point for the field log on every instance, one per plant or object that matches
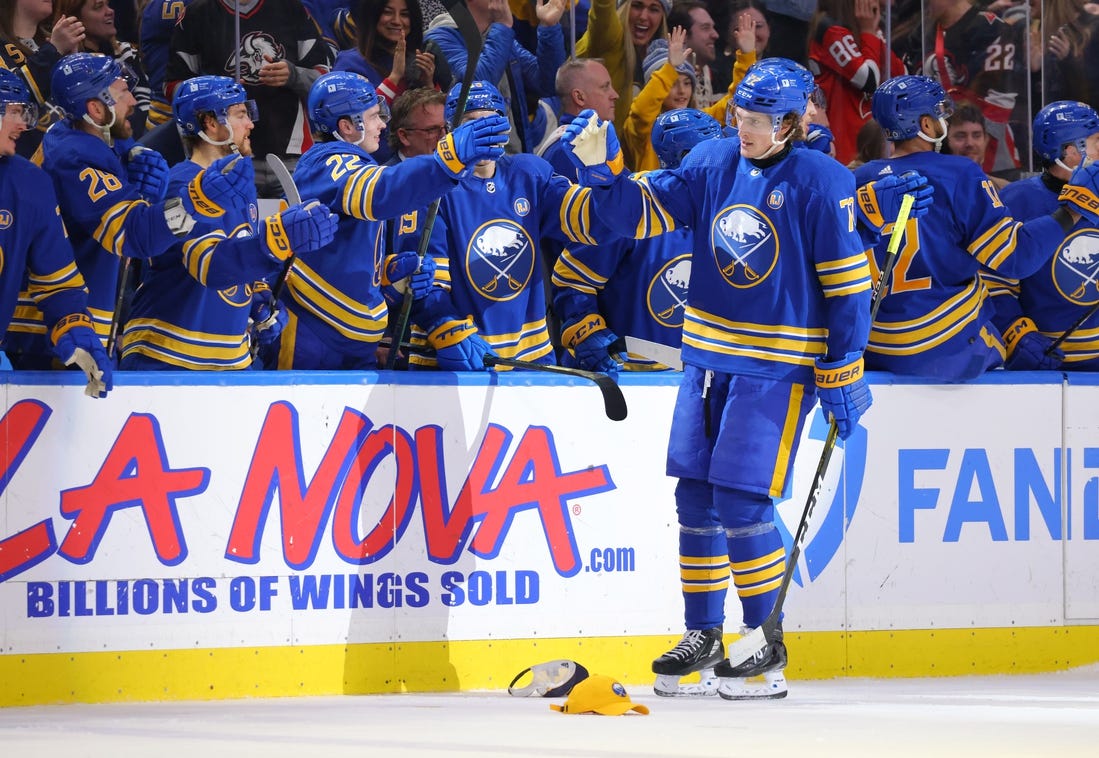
(1033, 715)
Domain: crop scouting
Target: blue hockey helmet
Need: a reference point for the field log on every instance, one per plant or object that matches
(900, 102)
(775, 86)
(1061, 123)
(208, 94)
(340, 94)
(14, 92)
(482, 97)
(675, 132)
(80, 77)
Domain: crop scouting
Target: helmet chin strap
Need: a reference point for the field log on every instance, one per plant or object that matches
(105, 129)
(936, 141)
(217, 143)
(358, 124)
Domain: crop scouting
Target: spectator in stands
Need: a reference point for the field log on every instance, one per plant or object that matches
(966, 136)
(158, 18)
(789, 22)
(870, 145)
(669, 85)
(581, 83)
(702, 38)
(746, 38)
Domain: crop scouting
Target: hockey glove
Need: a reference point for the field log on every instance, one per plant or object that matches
(404, 270)
(879, 202)
(299, 229)
(819, 138)
(148, 171)
(593, 148)
(1081, 194)
(471, 142)
(590, 339)
(228, 182)
(265, 320)
(1026, 348)
(844, 393)
(74, 341)
(458, 347)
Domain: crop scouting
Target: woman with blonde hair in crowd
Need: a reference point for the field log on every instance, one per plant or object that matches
(101, 36)
(30, 47)
(621, 39)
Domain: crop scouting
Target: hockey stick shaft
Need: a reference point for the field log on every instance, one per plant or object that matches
(751, 643)
(471, 36)
(293, 197)
(614, 402)
(1072, 329)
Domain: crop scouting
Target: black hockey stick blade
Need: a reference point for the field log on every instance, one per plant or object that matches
(471, 37)
(614, 402)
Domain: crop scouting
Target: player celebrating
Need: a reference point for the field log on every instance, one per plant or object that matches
(935, 321)
(337, 312)
(193, 306)
(764, 335)
(35, 248)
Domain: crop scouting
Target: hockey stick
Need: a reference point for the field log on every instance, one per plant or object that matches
(293, 197)
(471, 36)
(1072, 329)
(614, 403)
(757, 639)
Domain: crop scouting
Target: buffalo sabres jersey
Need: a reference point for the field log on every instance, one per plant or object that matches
(487, 249)
(336, 290)
(34, 69)
(1064, 287)
(191, 309)
(639, 287)
(935, 306)
(36, 256)
(778, 276)
(158, 19)
(103, 213)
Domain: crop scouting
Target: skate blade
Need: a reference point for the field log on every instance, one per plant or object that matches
(668, 685)
(769, 686)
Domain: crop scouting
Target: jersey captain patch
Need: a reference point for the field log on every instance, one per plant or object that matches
(1076, 267)
(745, 245)
(500, 259)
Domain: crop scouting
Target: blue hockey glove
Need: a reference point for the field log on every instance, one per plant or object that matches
(299, 229)
(1081, 193)
(228, 182)
(404, 270)
(1026, 348)
(879, 202)
(265, 320)
(458, 347)
(471, 142)
(593, 148)
(148, 171)
(843, 391)
(819, 138)
(74, 341)
(590, 339)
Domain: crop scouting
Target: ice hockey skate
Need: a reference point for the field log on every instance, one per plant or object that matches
(698, 651)
(761, 677)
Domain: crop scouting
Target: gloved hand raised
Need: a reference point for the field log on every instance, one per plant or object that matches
(229, 182)
(1026, 348)
(265, 320)
(458, 347)
(879, 202)
(843, 392)
(404, 270)
(471, 142)
(299, 229)
(593, 148)
(590, 339)
(819, 138)
(74, 341)
(148, 171)
(1081, 193)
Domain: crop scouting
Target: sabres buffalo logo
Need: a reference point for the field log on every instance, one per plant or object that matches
(500, 260)
(745, 245)
(1076, 268)
(667, 295)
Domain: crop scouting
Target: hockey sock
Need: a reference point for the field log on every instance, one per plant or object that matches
(757, 555)
(703, 556)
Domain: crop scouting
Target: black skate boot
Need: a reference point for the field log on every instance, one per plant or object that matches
(698, 651)
(761, 677)
(770, 658)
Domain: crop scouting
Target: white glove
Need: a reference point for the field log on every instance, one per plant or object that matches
(590, 143)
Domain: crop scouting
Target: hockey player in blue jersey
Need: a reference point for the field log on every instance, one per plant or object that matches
(195, 304)
(777, 318)
(35, 250)
(627, 286)
(337, 312)
(489, 281)
(1041, 307)
(112, 196)
(935, 320)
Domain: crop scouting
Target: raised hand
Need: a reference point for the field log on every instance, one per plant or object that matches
(1081, 194)
(299, 229)
(868, 16)
(745, 33)
(426, 63)
(400, 50)
(67, 35)
(677, 50)
(473, 141)
(228, 182)
(549, 12)
(880, 201)
(148, 172)
(593, 148)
